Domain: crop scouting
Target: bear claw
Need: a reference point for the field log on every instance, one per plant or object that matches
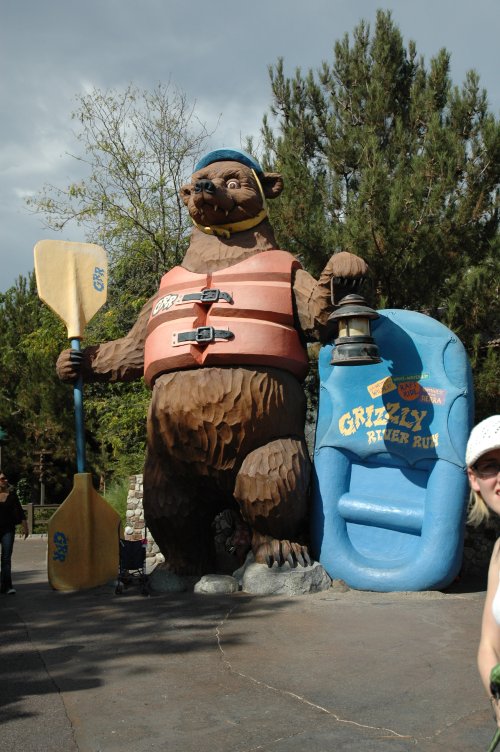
(271, 551)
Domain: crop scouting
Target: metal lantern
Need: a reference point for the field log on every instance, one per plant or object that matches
(354, 344)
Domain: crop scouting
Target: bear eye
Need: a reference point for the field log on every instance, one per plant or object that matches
(232, 184)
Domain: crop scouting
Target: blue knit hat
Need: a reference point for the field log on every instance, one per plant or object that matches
(233, 155)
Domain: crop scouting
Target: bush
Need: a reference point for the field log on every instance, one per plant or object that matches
(116, 495)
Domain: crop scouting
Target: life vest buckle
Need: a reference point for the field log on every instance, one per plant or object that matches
(210, 295)
(202, 335)
(207, 296)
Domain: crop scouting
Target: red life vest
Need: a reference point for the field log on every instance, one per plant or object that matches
(242, 315)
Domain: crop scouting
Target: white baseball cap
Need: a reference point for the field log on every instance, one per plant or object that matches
(483, 438)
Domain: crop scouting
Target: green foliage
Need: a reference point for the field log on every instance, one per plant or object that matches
(386, 158)
(41, 518)
(34, 409)
(23, 489)
(117, 413)
(116, 495)
(486, 366)
(37, 410)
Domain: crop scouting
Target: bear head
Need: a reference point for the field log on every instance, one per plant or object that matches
(228, 191)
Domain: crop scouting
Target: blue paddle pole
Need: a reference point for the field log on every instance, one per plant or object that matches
(79, 422)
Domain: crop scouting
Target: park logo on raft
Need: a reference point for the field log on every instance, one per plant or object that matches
(408, 388)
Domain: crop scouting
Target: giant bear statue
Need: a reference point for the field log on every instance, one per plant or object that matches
(223, 347)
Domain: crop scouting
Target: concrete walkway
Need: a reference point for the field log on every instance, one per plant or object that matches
(335, 671)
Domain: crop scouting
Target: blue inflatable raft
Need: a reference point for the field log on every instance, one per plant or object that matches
(389, 483)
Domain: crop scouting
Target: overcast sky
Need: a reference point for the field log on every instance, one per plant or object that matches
(217, 52)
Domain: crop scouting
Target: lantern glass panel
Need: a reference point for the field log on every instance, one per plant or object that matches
(358, 327)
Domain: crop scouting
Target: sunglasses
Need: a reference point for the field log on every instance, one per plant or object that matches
(487, 469)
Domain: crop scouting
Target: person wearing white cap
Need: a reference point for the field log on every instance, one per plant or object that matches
(482, 458)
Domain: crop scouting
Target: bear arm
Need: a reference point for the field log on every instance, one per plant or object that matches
(313, 304)
(122, 359)
(313, 298)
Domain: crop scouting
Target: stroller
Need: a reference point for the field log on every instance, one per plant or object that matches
(132, 565)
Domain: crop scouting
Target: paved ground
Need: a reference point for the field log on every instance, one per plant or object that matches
(95, 672)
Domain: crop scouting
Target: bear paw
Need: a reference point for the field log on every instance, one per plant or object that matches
(269, 550)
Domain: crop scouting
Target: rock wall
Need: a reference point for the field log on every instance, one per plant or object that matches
(135, 527)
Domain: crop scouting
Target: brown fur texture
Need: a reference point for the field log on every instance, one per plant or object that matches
(231, 437)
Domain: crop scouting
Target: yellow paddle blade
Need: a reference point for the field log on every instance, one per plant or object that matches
(72, 280)
(83, 539)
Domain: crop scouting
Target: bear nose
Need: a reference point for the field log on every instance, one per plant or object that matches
(204, 185)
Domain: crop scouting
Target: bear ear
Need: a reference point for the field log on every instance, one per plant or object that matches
(272, 184)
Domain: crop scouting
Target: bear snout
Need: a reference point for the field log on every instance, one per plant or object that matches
(210, 202)
(205, 186)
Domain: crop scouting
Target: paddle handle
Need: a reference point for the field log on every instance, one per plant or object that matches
(79, 422)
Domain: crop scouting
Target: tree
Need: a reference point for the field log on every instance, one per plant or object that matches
(137, 148)
(36, 412)
(386, 158)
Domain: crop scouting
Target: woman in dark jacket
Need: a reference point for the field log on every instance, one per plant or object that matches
(11, 514)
